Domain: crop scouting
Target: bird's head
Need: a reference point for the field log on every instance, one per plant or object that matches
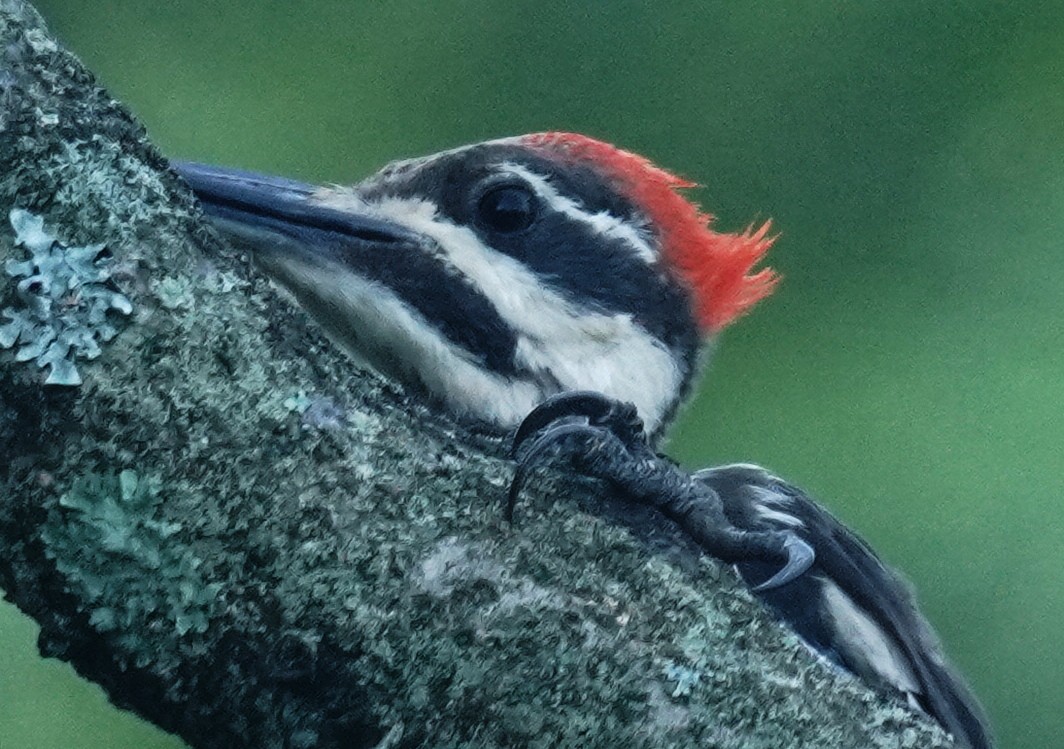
(492, 276)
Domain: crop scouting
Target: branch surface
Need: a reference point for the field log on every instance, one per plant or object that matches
(251, 544)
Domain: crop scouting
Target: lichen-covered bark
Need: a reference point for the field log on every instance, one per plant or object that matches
(253, 545)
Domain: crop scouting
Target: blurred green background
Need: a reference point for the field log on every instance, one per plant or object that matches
(908, 372)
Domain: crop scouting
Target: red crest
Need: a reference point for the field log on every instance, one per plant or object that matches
(718, 267)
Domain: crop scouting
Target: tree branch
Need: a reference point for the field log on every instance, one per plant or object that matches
(253, 545)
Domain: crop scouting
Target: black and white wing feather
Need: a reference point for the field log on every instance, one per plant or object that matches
(849, 607)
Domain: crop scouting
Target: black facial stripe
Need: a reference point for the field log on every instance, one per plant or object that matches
(602, 273)
(443, 297)
(423, 280)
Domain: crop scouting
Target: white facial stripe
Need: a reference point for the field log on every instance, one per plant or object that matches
(578, 348)
(395, 339)
(602, 223)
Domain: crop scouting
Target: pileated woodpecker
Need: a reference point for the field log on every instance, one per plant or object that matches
(555, 283)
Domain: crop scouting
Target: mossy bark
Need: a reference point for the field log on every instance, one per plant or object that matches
(252, 544)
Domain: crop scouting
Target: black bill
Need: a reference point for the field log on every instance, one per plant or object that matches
(371, 282)
(251, 205)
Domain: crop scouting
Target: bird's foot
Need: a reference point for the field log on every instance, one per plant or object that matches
(604, 438)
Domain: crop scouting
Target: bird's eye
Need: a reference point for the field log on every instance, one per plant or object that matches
(507, 209)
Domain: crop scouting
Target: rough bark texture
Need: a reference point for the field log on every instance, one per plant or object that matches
(252, 545)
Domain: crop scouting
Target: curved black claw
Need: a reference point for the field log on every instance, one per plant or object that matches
(800, 557)
(586, 405)
(613, 446)
(541, 445)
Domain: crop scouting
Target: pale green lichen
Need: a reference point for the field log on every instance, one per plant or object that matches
(104, 539)
(174, 293)
(684, 679)
(298, 402)
(64, 297)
